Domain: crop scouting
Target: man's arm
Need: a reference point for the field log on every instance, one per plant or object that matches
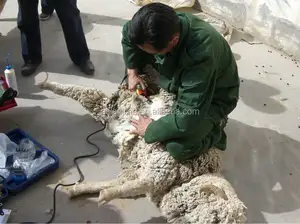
(134, 57)
(194, 100)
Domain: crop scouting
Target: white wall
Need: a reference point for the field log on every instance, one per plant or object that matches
(275, 22)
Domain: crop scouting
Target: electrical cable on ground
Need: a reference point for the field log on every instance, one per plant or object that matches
(81, 179)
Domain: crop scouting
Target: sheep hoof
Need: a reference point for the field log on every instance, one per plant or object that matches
(41, 84)
(101, 203)
(52, 186)
(102, 198)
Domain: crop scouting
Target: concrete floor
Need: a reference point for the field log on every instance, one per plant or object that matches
(263, 154)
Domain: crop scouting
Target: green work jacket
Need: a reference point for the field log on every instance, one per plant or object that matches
(200, 70)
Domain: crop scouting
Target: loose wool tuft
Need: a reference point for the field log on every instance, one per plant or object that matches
(148, 169)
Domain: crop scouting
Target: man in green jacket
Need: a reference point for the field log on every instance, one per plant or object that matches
(195, 63)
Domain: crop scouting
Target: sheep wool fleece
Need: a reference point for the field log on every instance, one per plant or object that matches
(202, 72)
(181, 190)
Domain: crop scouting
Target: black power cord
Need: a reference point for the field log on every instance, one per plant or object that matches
(81, 179)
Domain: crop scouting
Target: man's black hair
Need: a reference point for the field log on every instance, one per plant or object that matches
(154, 24)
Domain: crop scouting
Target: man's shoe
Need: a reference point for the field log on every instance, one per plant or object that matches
(44, 16)
(87, 67)
(29, 68)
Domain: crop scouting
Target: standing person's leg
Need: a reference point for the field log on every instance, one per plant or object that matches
(69, 16)
(47, 9)
(28, 24)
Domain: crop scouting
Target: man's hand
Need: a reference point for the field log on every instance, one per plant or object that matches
(141, 125)
(134, 80)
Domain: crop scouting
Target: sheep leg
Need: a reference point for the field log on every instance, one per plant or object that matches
(95, 187)
(70, 90)
(93, 100)
(127, 190)
(90, 187)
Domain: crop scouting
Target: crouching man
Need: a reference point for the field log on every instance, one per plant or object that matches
(195, 63)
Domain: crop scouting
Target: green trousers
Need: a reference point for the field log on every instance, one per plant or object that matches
(207, 136)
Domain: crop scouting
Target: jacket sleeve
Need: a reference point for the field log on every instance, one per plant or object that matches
(133, 56)
(193, 102)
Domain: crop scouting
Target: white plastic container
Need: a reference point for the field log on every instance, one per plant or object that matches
(10, 77)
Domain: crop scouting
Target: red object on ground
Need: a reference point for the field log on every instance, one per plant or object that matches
(9, 103)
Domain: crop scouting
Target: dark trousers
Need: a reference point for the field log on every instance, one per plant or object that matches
(47, 7)
(69, 16)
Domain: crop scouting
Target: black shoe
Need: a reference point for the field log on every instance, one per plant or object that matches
(29, 68)
(87, 67)
(44, 16)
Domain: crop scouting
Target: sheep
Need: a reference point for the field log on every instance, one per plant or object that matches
(156, 170)
(147, 169)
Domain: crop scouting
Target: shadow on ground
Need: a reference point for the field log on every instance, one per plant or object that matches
(263, 167)
(259, 97)
(84, 211)
(109, 66)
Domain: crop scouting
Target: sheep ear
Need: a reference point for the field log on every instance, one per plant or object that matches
(212, 189)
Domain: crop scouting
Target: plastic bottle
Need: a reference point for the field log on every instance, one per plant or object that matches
(10, 76)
